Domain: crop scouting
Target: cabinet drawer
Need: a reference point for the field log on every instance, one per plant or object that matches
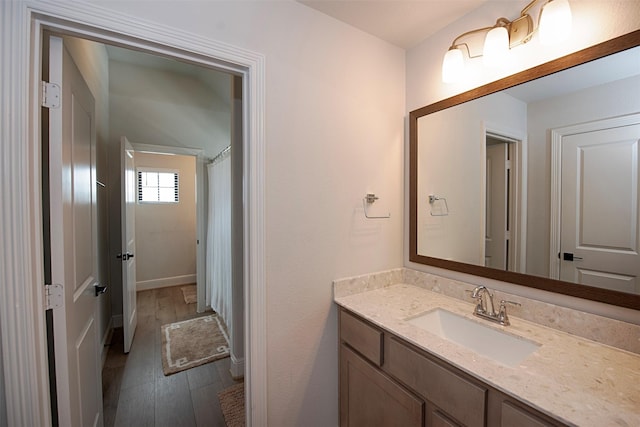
(366, 339)
(458, 397)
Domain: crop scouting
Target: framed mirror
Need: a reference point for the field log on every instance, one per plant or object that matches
(533, 179)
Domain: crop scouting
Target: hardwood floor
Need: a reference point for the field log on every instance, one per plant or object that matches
(135, 390)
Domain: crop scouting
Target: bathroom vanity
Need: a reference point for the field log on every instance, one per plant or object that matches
(395, 372)
(403, 385)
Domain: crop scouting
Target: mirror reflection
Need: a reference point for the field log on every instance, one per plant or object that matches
(541, 178)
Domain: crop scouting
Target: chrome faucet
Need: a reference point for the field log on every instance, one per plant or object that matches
(481, 294)
(485, 308)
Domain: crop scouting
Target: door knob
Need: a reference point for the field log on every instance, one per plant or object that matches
(99, 289)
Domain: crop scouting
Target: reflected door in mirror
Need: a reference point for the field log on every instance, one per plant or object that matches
(600, 227)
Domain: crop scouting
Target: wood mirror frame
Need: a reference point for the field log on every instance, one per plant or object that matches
(601, 50)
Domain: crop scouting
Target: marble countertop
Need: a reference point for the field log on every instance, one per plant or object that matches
(577, 381)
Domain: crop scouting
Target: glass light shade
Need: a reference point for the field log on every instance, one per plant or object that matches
(496, 47)
(452, 66)
(555, 22)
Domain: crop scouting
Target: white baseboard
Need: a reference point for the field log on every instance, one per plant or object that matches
(236, 367)
(165, 282)
(117, 321)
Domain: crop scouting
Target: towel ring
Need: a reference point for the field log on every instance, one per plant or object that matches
(369, 199)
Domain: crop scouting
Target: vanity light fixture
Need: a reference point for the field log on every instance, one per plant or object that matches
(554, 25)
(496, 47)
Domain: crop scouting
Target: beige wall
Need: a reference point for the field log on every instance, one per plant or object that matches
(166, 232)
(160, 106)
(334, 130)
(451, 165)
(166, 107)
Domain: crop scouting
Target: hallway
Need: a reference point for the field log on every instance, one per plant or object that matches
(135, 390)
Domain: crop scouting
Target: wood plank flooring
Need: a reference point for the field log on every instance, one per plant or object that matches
(135, 390)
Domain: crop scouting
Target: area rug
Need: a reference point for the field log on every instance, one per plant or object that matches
(192, 343)
(190, 294)
(232, 405)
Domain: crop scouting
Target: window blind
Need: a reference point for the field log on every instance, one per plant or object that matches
(158, 187)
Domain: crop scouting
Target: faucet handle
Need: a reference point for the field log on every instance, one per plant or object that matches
(502, 312)
(503, 303)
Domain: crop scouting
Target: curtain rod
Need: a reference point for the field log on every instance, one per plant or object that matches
(221, 154)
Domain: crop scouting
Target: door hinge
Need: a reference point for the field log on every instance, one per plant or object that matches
(507, 164)
(50, 94)
(53, 296)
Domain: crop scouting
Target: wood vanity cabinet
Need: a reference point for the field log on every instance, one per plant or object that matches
(385, 381)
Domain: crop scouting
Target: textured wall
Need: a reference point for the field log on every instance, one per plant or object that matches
(334, 131)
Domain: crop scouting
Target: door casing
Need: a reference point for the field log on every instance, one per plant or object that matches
(21, 307)
(518, 192)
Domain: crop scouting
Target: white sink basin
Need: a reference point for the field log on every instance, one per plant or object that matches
(489, 342)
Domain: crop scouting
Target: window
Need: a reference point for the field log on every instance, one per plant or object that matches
(157, 186)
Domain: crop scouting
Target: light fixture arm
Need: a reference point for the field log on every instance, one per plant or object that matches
(468, 33)
(520, 29)
(500, 22)
(457, 44)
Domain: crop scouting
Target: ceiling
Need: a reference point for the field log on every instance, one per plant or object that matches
(218, 81)
(404, 23)
(611, 68)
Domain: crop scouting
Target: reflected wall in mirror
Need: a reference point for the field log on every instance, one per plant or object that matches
(534, 179)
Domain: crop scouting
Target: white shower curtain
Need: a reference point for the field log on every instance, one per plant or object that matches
(218, 263)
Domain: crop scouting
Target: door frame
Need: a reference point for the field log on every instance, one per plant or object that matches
(24, 342)
(557, 134)
(518, 251)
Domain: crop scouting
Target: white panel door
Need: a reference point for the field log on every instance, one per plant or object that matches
(74, 249)
(495, 242)
(128, 193)
(599, 230)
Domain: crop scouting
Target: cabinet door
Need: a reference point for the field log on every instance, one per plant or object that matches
(438, 419)
(516, 417)
(370, 398)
